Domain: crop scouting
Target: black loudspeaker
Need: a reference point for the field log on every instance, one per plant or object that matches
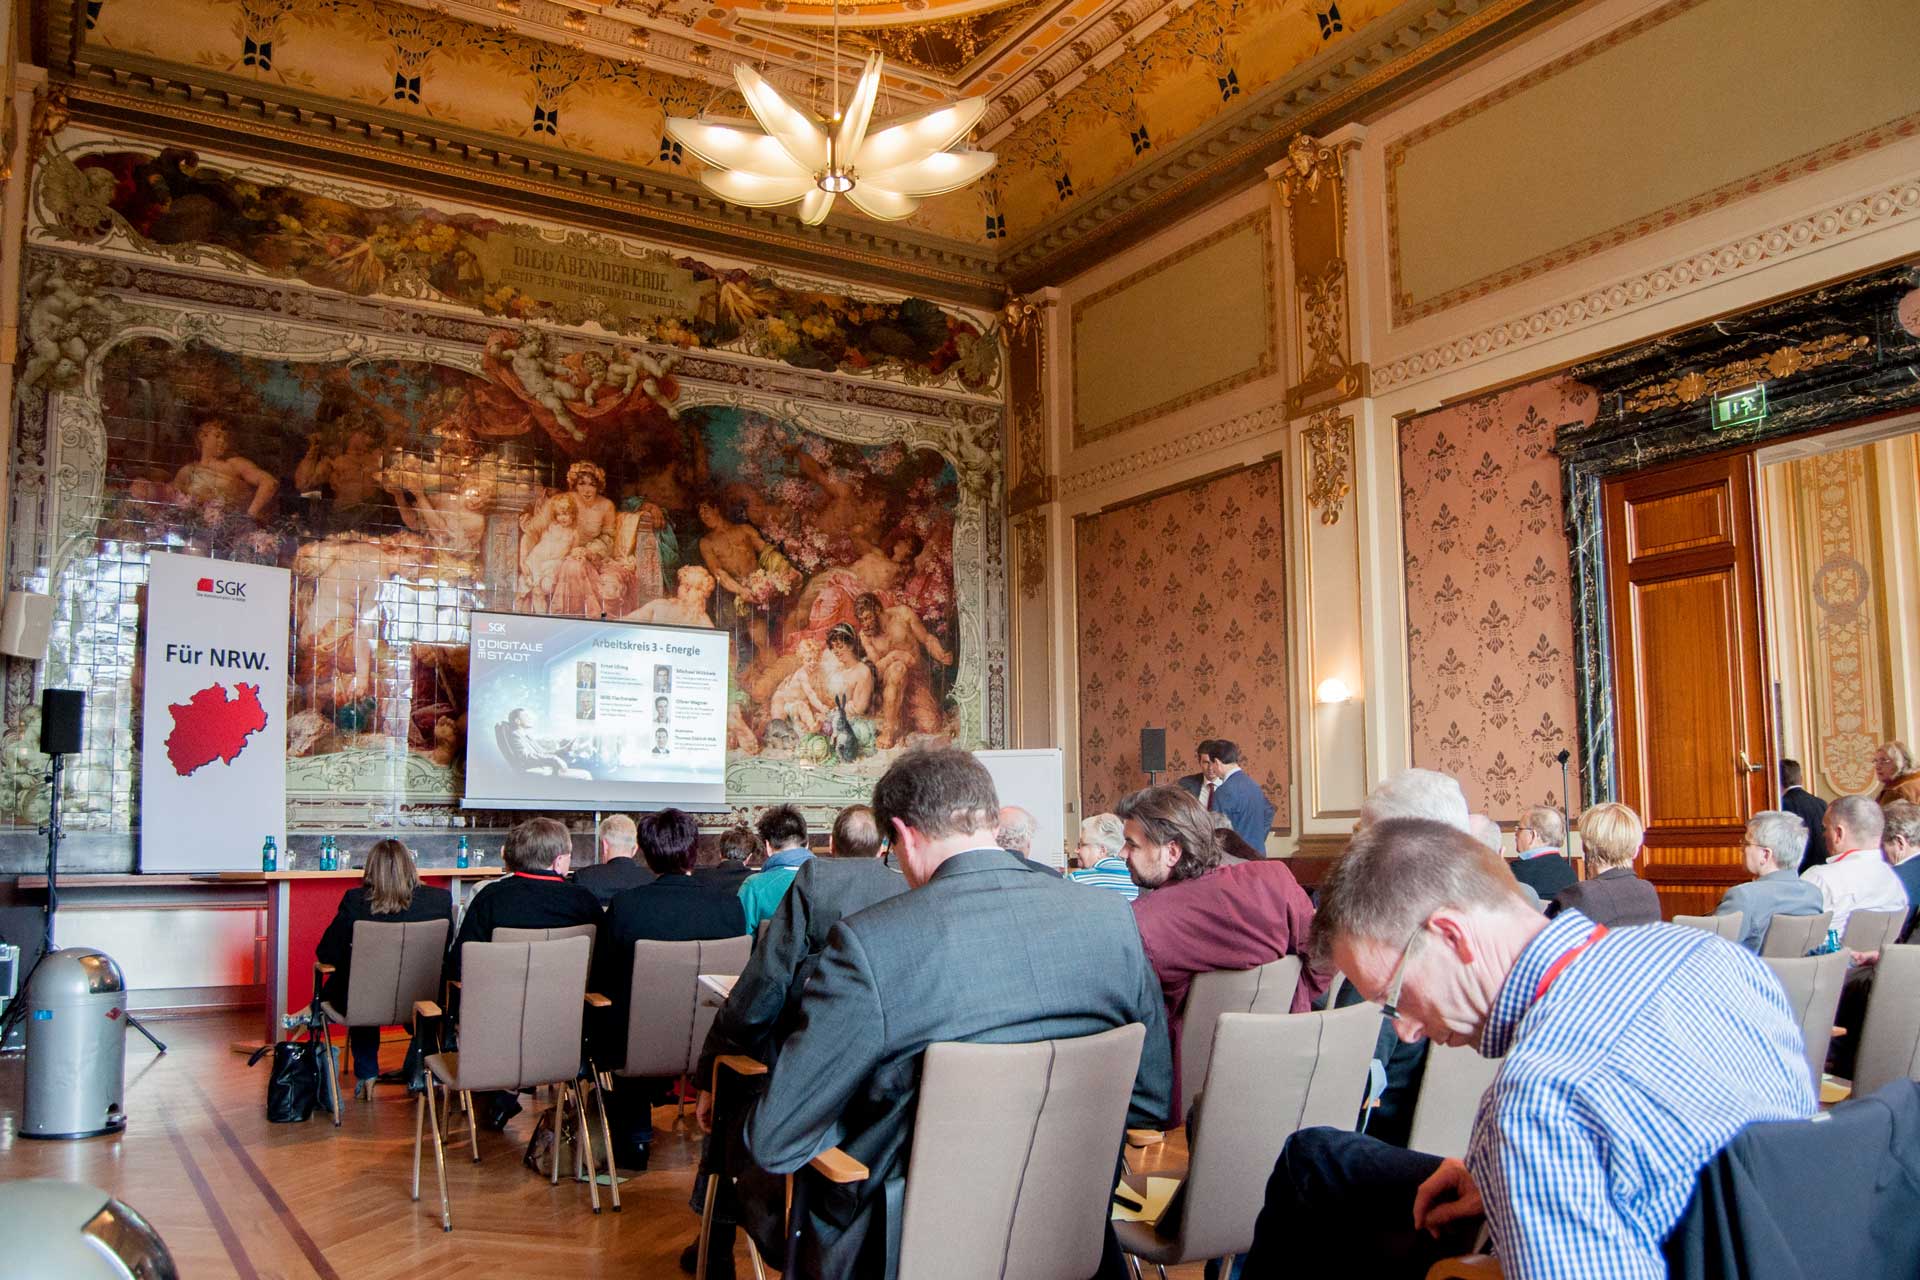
(61, 711)
(1153, 751)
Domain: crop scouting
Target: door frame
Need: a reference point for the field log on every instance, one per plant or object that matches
(1836, 356)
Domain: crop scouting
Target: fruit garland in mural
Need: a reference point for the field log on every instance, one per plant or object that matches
(170, 200)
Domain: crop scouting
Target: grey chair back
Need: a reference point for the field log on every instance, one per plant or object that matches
(520, 1012)
(394, 964)
(1812, 984)
(1872, 930)
(1450, 1091)
(1791, 937)
(1267, 989)
(1014, 1152)
(587, 931)
(1890, 1040)
(1270, 1075)
(666, 1021)
(1729, 926)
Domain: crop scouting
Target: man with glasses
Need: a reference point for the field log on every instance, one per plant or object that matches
(1540, 859)
(1631, 1057)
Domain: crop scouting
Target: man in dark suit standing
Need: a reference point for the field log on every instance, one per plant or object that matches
(1195, 783)
(1231, 790)
(763, 1008)
(674, 907)
(617, 869)
(1806, 806)
(981, 950)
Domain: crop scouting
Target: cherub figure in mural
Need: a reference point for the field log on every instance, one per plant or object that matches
(350, 469)
(802, 699)
(898, 645)
(750, 569)
(542, 556)
(544, 380)
(220, 481)
(687, 606)
(64, 322)
(577, 582)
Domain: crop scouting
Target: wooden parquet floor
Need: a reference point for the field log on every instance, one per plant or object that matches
(235, 1196)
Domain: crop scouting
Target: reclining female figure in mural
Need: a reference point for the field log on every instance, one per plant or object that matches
(575, 588)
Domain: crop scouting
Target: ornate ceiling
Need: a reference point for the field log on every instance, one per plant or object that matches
(1101, 110)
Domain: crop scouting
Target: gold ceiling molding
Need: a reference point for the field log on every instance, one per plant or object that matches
(1296, 103)
(1694, 386)
(1329, 441)
(332, 135)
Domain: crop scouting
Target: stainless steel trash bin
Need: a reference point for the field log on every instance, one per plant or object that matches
(76, 1046)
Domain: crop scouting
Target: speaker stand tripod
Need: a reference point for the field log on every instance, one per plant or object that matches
(52, 831)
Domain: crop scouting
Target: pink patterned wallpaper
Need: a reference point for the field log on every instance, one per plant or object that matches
(1489, 611)
(1182, 605)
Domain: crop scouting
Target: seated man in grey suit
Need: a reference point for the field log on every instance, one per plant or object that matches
(1776, 841)
(763, 1007)
(982, 949)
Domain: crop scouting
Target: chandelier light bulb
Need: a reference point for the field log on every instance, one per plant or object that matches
(796, 156)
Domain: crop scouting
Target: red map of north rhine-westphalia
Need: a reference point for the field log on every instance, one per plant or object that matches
(211, 726)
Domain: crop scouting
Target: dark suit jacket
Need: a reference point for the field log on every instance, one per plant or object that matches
(1547, 873)
(1616, 898)
(604, 879)
(670, 909)
(525, 901)
(986, 951)
(1192, 783)
(766, 998)
(1246, 806)
(336, 944)
(1810, 809)
(729, 875)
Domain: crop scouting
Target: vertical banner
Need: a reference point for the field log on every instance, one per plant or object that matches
(213, 751)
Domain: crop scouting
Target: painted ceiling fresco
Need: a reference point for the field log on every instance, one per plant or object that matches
(1083, 92)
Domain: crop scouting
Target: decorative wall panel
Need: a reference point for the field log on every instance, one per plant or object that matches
(1490, 623)
(1182, 617)
(410, 458)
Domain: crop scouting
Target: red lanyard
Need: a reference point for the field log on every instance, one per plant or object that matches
(535, 875)
(1559, 966)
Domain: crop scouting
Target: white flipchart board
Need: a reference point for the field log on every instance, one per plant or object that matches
(1036, 781)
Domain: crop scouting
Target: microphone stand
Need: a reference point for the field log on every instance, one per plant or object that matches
(1566, 789)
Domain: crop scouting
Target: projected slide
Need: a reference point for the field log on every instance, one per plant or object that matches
(565, 713)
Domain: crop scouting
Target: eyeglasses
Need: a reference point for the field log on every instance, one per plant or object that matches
(1390, 1002)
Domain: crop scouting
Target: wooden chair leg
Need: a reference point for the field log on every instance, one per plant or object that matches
(473, 1129)
(606, 1137)
(440, 1156)
(586, 1142)
(419, 1122)
(706, 1226)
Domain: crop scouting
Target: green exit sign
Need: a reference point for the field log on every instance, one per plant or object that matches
(1740, 408)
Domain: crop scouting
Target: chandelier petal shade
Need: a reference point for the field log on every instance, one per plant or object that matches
(794, 155)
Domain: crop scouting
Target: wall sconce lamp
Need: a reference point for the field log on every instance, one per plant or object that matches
(1332, 690)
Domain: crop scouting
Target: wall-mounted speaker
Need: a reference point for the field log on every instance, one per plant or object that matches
(61, 713)
(1153, 751)
(24, 624)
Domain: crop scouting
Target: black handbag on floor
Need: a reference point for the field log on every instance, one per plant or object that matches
(293, 1083)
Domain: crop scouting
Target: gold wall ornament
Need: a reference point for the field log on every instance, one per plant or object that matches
(1308, 164)
(1017, 318)
(1312, 183)
(1030, 534)
(1329, 441)
(1694, 385)
(50, 114)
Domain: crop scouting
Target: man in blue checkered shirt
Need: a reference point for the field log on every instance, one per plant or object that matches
(1632, 1056)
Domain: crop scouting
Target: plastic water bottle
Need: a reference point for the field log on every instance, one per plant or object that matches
(269, 856)
(461, 857)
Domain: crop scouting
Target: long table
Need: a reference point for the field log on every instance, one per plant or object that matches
(300, 905)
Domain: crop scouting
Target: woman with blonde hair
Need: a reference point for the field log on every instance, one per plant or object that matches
(1893, 769)
(1610, 837)
(390, 893)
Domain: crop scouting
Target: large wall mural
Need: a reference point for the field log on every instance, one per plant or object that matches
(409, 464)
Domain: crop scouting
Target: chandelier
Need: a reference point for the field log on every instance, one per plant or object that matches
(796, 155)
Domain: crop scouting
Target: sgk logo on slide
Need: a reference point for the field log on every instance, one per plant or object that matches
(221, 589)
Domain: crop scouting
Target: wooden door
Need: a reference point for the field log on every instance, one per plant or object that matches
(1689, 670)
